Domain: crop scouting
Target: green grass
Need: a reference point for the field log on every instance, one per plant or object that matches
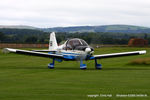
(28, 78)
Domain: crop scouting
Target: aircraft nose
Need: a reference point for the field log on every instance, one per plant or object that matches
(88, 50)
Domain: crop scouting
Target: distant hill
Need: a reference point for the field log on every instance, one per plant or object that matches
(105, 28)
(17, 27)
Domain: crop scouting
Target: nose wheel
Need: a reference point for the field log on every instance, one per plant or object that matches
(82, 66)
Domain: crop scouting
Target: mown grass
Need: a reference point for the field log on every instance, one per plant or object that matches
(27, 78)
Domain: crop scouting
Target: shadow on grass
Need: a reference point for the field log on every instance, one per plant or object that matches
(103, 69)
(73, 68)
(37, 68)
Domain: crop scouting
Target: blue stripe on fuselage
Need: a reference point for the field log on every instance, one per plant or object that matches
(70, 53)
(64, 53)
(70, 56)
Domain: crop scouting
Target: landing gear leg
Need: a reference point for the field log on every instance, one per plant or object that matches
(97, 66)
(82, 66)
(51, 65)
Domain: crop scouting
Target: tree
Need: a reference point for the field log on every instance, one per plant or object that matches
(31, 39)
(145, 36)
(2, 37)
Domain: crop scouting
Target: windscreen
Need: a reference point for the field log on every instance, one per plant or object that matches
(73, 43)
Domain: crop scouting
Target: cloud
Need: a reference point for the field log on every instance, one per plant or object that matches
(51, 13)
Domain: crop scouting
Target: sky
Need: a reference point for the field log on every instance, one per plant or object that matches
(62, 13)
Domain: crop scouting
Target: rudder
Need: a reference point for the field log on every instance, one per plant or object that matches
(53, 42)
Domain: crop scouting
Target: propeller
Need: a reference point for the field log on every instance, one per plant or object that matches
(88, 50)
(83, 55)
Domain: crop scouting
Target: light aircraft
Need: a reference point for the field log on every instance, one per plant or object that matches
(72, 50)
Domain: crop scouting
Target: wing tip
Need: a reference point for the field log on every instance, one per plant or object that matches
(9, 50)
(142, 52)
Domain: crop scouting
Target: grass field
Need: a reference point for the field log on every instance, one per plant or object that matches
(28, 78)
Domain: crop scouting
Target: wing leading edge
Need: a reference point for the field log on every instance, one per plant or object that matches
(26, 52)
(41, 54)
(119, 54)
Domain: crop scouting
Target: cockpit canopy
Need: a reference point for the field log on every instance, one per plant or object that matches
(76, 44)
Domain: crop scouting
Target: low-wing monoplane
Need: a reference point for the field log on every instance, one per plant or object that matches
(72, 50)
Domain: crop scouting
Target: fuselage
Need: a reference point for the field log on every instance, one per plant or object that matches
(74, 49)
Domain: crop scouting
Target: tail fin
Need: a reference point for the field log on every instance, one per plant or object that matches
(53, 42)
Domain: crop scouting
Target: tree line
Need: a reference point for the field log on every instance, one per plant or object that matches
(37, 36)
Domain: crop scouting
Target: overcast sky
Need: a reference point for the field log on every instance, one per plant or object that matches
(54, 13)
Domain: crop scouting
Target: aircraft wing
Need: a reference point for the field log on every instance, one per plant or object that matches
(43, 51)
(26, 52)
(119, 54)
